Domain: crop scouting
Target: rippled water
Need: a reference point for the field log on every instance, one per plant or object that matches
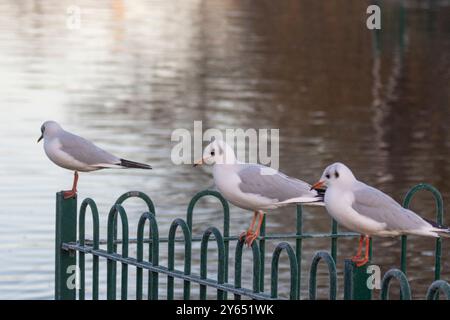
(137, 70)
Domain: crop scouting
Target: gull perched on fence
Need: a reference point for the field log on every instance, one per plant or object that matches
(369, 211)
(254, 187)
(75, 153)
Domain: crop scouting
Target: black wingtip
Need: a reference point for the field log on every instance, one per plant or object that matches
(437, 225)
(132, 164)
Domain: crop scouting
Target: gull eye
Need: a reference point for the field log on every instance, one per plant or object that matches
(336, 174)
(327, 176)
(213, 153)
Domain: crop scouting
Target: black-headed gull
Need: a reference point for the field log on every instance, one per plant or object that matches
(254, 187)
(369, 211)
(75, 153)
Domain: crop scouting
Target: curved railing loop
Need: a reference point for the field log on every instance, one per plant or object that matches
(88, 202)
(204, 258)
(436, 194)
(171, 257)
(325, 256)
(238, 266)
(294, 291)
(137, 194)
(112, 248)
(405, 290)
(226, 218)
(223, 201)
(153, 255)
(435, 287)
(439, 220)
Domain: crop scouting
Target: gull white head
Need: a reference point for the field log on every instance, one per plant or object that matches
(217, 152)
(336, 174)
(49, 129)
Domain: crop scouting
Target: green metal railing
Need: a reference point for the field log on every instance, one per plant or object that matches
(68, 245)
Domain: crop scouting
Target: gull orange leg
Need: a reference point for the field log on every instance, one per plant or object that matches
(249, 240)
(360, 245)
(363, 261)
(249, 231)
(72, 193)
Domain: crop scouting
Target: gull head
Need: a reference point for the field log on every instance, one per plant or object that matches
(217, 152)
(49, 129)
(336, 174)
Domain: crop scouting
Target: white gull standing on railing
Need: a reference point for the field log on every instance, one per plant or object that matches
(369, 211)
(75, 153)
(254, 187)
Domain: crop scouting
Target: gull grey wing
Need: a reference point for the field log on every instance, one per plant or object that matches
(273, 186)
(85, 151)
(373, 203)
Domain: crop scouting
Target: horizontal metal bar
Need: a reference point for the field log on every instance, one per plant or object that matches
(274, 236)
(163, 270)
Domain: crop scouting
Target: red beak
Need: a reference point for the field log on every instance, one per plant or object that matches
(317, 185)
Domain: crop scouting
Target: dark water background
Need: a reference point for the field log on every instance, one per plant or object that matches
(137, 70)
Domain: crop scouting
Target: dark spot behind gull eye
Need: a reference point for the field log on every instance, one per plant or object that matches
(336, 174)
(327, 176)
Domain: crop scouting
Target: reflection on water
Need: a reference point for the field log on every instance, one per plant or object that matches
(136, 71)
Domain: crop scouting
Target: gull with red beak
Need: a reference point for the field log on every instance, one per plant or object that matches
(75, 153)
(368, 211)
(254, 187)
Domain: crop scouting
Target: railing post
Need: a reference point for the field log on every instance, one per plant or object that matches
(355, 282)
(65, 261)
(298, 247)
